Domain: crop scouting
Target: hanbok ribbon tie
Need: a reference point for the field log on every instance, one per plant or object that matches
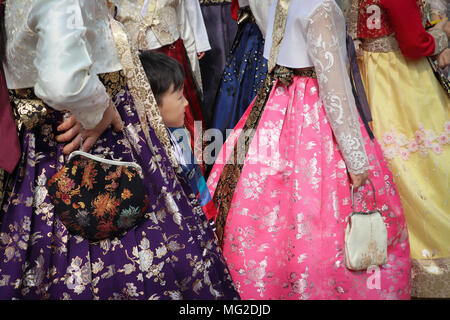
(278, 25)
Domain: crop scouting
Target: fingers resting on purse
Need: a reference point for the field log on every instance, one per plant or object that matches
(73, 134)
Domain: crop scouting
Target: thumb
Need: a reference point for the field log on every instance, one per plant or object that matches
(117, 122)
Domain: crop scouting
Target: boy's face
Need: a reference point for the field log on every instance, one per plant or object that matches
(172, 107)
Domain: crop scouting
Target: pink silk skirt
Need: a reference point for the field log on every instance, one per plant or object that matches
(284, 235)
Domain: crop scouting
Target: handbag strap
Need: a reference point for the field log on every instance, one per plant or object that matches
(374, 200)
(106, 161)
(80, 152)
(359, 92)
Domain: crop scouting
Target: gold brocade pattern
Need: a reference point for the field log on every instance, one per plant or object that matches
(431, 278)
(140, 89)
(351, 16)
(114, 82)
(304, 72)
(159, 18)
(278, 32)
(383, 44)
(30, 111)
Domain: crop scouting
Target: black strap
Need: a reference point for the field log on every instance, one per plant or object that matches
(359, 92)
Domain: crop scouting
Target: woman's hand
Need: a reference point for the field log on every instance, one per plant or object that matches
(443, 58)
(73, 131)
(110, 117)
(359, 179)
(200, 55)
(71, 134)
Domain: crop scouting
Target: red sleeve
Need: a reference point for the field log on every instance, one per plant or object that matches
(406, 19)
(234, 9)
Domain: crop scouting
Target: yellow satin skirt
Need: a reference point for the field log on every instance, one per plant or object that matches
(410, 112)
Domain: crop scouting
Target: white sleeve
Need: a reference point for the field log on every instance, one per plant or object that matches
(64, 63)
(243, 3)
(187, 35)
(260, 10)
(325, 42)
(185, 28)
(194, 13)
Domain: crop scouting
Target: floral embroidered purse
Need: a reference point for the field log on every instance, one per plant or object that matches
(365, 238)
(97, 198)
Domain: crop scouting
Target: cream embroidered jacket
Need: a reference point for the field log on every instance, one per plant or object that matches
(58, 47)
(153, 24)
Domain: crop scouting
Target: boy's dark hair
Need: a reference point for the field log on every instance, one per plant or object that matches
(162, 71)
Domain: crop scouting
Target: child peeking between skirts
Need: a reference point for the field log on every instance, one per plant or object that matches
(166, 77)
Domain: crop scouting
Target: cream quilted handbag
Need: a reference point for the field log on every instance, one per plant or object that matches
(365, 238)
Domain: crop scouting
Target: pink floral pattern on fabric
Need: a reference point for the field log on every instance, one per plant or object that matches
(396, 144)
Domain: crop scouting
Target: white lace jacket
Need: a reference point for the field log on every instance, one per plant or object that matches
(315, 36)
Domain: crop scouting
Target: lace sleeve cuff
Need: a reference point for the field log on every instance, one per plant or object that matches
(440, 40)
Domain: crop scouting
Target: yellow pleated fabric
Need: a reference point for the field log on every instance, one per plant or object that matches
(411, 122)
